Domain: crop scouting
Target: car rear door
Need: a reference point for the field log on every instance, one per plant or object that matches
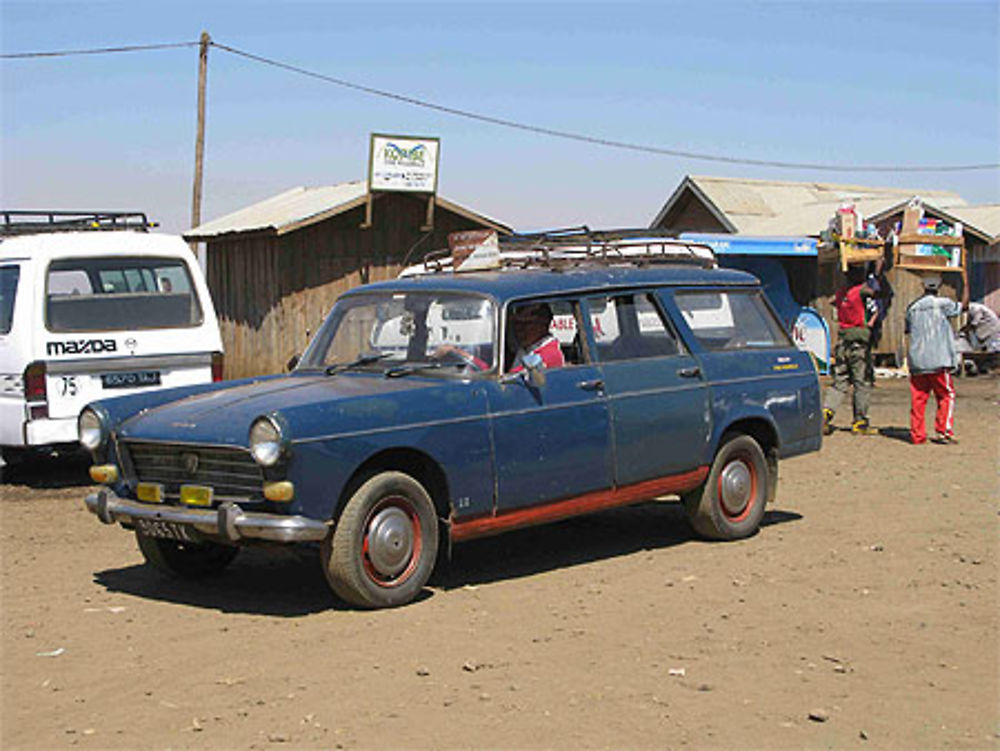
(657, 396)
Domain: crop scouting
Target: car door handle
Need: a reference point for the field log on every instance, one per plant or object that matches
(692, 372)
(596, 385)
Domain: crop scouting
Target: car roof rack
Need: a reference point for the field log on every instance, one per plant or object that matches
(559, 249)
(27, 222)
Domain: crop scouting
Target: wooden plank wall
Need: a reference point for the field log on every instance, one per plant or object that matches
(271, 293)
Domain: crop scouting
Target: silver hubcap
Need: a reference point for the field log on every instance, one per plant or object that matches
(390, 541)
(735, 487)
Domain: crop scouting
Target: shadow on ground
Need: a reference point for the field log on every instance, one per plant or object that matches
(48, 472)
(289, 583)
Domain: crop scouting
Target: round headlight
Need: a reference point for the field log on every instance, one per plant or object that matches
(92, 430)
(266, 441)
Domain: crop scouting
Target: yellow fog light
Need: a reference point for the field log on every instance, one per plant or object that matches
(106, 474)
(279, 491)
(196, 495)
(150, 492)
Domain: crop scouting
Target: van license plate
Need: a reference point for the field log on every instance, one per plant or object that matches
(163, 530)
(130, 380)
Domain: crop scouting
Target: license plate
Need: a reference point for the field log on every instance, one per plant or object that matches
(163, 530)
(130, 380)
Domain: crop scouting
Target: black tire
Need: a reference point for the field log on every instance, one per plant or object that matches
(383, 548)
(730, 504)
(185, 560)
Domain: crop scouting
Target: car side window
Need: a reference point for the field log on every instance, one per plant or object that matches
(629, 327)
(8, 290)
(559, 342)
(731, 320)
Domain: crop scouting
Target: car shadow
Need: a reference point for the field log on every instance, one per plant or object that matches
(48, 472)
(274, 582)
(649, 526)
(287, 583)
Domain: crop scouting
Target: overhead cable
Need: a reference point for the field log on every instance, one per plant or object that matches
(569, 135)
(97, 51)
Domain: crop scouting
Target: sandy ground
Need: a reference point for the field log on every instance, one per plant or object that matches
(864, 615)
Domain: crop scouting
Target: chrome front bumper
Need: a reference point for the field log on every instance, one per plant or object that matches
(228, 521)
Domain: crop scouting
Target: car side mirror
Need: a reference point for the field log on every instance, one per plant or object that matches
(534, 366)
(292, 362)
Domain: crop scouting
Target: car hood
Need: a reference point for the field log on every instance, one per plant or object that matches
(310, 406)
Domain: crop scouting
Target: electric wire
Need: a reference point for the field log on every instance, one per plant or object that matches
(513, 124)
(97, 51)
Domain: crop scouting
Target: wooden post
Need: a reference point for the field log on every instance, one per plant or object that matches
(199, 143)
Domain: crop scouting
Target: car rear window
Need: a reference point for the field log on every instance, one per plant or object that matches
(8, 291)
(731, 320)
(119, 293)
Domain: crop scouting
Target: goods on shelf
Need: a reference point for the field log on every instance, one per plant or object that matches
(854, 241)
(926, 243)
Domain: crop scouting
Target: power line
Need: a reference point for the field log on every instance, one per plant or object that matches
(479, 117)
(595, 139)
(97, 51)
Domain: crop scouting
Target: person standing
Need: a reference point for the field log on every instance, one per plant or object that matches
(932, 356)
(852, 361)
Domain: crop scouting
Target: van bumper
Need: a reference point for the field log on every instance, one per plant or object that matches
(228, 522)
(51, 431)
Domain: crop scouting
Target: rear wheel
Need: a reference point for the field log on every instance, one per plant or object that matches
(185, 560)
(383, 548)
(730, 505)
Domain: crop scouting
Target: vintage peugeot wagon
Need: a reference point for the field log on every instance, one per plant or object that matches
(416, 419)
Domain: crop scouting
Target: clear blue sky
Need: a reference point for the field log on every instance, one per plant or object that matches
(820, 82)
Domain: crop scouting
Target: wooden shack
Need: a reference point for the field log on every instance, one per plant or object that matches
(784, 208)
(275, 268)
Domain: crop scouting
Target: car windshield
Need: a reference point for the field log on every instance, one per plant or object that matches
(392, 329)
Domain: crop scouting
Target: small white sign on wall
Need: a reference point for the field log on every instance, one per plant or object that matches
(403, 163)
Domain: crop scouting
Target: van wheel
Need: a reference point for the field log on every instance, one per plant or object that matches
(383, 548)
(730, 504)
(185, 560)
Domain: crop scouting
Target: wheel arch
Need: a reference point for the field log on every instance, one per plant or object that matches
(417, 464)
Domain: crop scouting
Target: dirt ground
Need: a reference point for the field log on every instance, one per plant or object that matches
(864, 615)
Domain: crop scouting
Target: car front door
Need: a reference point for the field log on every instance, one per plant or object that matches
(551, 441)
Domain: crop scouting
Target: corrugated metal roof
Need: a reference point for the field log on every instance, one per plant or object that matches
(300, 207)
(985, 217)
(775, 207)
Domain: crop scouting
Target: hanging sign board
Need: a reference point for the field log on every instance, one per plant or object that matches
(403, 163)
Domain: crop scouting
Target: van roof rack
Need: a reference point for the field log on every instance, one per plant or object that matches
(29, 222)
(558, 249)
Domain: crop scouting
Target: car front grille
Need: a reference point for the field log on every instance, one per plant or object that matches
(230, 472)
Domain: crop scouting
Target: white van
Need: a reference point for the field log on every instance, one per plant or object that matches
(93, 313)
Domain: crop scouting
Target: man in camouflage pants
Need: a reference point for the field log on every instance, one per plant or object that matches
(852, 365)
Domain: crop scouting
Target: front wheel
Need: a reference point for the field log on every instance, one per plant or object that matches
(730, 505)
(383, 548)
(185, 560)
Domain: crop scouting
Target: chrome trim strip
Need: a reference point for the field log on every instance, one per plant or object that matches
(126, 363)
(228, 521)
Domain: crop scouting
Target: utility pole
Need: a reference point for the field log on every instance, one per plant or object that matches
(199, 144)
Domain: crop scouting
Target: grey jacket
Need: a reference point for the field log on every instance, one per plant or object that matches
(932, 341)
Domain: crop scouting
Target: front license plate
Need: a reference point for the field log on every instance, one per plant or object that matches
(163, 530)
(130, 380)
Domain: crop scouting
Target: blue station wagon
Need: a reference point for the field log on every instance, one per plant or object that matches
(447, 406)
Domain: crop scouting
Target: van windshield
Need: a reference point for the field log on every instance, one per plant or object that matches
(119, 293)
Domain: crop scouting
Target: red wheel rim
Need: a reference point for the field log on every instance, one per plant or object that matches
(392, 542)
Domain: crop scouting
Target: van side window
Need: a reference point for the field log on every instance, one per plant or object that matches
(731, 320)
(8, 291)
(630, 327)
(118, 293)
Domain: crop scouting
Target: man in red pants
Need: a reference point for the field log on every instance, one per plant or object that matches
(932, 356)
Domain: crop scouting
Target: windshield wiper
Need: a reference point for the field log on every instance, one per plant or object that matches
(366, 359)
(402, 370)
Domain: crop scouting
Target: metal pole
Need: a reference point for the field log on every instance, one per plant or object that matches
(199, 144)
